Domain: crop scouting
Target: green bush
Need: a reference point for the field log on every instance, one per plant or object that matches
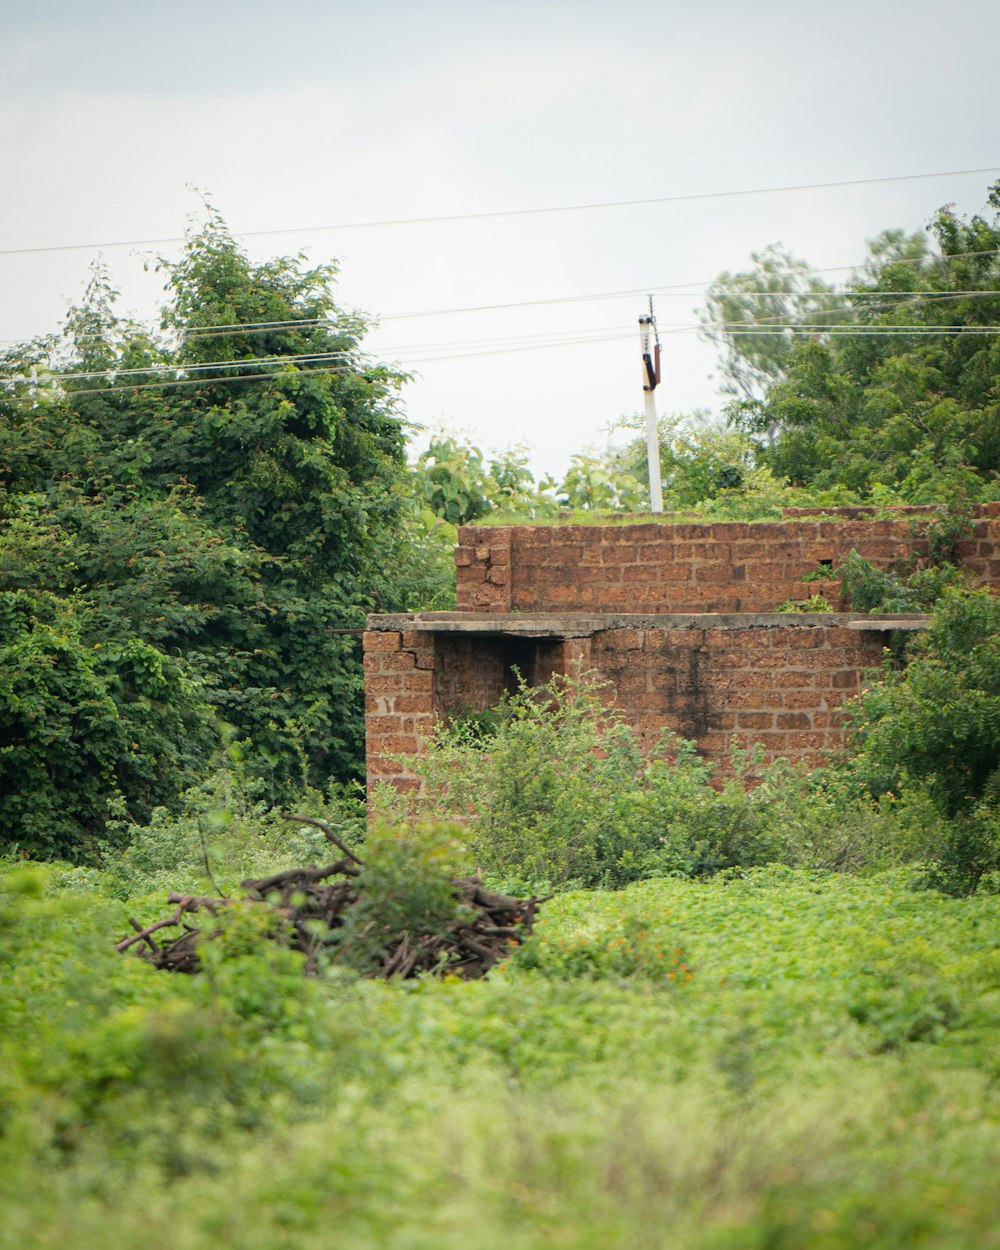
(405, 886)
(88, 731)
(224, 832)
(632, 946)
(561, 793)
(826, 1077)
(936, 724)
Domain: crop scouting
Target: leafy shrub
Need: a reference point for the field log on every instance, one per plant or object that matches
(88, 732)
(869, 589)
(561, 793)
(405, 886)
(939, 719)
(224, 833)
(815, 603)
(937, 724)
(631, 947)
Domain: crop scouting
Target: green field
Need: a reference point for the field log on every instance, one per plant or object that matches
(780, 1058)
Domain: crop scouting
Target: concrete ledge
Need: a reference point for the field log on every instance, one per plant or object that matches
(880, 624)
(584, 624)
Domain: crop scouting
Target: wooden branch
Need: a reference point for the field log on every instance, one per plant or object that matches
(145, 936)
(327, 832)
(298, 876)
(308, 910)
(142, 934)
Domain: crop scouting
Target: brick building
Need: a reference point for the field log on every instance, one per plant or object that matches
(680, 620)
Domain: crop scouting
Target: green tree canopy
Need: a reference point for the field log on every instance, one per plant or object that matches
(904, 399)
(750, 317)
(225, 493)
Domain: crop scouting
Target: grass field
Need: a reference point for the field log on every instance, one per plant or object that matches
(781, 1059)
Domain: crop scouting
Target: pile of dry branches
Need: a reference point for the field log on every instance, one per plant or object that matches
(312, 903)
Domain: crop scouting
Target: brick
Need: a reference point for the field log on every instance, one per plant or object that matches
(621, 553)
(806, 740)
(414, 702)
(417, 680)
(393, 743)
(381, 640)
(795, 679)
(649, 573)
(625, 639)
(380, 768)
(800, 699)
(846, 680)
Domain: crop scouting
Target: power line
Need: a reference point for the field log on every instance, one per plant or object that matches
(797, 327)
(838, 331)
(675, 291)
(297, 374)
(554, 338)
(267, 327)
(755, 324)
(512, 212)
(246, 362)
(294, 374)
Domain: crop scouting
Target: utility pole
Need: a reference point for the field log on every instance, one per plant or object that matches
(650, 379)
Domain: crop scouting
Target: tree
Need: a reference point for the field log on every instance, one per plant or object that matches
(601, 484)
(457, 482)
(936, 725)
(699, 458)
(749, 315)
(903, 401)
(227, 493)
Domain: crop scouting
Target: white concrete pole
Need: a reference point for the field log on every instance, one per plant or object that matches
(649, 381)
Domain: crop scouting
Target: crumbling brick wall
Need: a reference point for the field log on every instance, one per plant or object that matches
(777, 681)
(716, 567)
(399, 702)
(678, 620)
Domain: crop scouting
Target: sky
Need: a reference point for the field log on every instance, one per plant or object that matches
(116, 116)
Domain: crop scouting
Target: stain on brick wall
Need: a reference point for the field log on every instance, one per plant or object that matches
(778, 682)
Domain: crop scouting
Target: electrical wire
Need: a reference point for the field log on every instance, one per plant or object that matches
(842, 331)
(295, 374)
(246, 362)
(512, 342)
(288, 374)
(514, 212)
(679, 290)
(761, 323)
(676, 291)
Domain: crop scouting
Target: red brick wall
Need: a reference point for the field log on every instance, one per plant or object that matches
(779, 682)
(482, 563)
(662, 567)
(399, 702)
(414, 678)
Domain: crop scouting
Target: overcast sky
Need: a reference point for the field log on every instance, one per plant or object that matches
(311, 114)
